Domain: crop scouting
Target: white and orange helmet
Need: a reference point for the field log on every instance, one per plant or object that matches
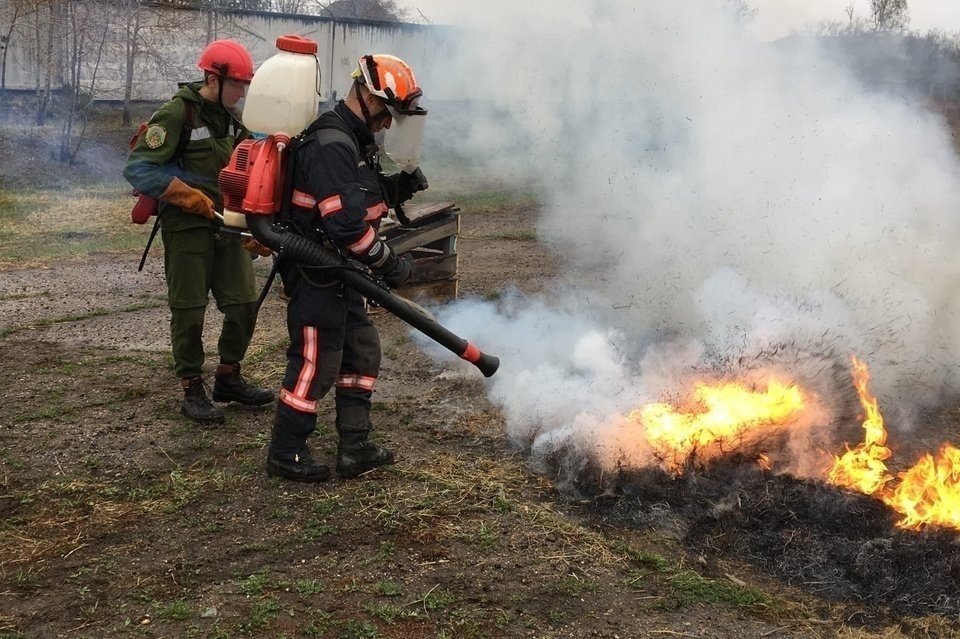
(390, 78)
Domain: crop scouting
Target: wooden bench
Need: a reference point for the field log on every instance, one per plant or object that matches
(431, 237)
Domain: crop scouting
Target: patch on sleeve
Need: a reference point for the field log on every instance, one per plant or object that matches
(155, 136)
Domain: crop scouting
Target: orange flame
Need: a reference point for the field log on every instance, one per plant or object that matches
(863, 467)
(928, 493)
(718, 414)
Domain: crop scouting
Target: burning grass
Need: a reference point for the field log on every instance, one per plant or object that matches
(859, 534)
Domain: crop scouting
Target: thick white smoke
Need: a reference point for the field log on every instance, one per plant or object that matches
(723, 195)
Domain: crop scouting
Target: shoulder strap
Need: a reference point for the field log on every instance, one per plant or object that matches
(185, 131)
(333, 130)
(327, 132)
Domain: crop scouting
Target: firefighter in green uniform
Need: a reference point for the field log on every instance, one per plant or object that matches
(181, 171)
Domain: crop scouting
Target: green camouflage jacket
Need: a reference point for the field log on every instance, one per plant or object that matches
(152, 165)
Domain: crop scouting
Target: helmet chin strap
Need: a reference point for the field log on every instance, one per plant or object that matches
(221, 79)
(368, 119)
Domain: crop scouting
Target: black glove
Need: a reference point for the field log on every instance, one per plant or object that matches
(410, 183)
(396, 271)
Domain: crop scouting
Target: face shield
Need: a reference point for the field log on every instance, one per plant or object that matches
(403, 140)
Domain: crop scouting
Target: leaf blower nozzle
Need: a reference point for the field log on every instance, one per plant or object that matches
(310, 253)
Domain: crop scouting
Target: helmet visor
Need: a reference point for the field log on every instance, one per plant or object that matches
(408, 104)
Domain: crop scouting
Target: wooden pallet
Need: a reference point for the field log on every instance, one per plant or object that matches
(431, 237)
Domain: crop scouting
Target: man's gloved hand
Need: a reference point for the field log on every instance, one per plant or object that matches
(396, 271)
(191, 200)
(254, 246)
(410, 183)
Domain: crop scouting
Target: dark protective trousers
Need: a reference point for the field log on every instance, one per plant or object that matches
(197, 263)
(333, 344)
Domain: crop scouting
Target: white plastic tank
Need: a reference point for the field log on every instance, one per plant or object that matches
(403, 140)
(283, 96)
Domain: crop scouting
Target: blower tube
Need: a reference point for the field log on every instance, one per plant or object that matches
(312, 254)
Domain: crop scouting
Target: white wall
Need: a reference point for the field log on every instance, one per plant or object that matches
(174, 38)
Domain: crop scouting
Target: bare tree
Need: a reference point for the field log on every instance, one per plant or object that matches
(386, 10)
(15, 9)
(850, 11)
(45, 16)
(295, 7)
(890, 15)
(132, 24)
(83, 28)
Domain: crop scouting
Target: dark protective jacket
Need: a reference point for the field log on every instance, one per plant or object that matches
(339, 193)
(152, 165)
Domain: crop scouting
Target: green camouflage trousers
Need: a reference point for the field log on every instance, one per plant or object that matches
(197, 263)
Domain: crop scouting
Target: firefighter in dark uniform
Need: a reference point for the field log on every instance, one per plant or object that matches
(339, 196)
(182, 175)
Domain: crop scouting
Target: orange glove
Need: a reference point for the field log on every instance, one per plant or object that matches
(255, 247)
(191, 200)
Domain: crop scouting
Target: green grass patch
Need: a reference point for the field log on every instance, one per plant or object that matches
(515, 236)
(389, 589)
(261, 614)
(308, 587)
(254, 585)
(434, 599)
(574, 586)
(177, 610)
(42, 224)
(388, 613)
(355, 629)
(692, 587)
(688, 586)
(13, 210)
(484, 537)
(486, 200)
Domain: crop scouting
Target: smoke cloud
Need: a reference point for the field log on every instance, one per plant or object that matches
(729, 200)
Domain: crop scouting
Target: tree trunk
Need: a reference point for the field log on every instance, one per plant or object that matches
(43, 92)
(6, 48)
(132, 45)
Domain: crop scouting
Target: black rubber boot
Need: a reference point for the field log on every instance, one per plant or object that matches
(196, 405)
(230, 386)
(356, 454)
(302, 467)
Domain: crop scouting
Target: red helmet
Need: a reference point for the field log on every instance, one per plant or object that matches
(227, 58)
(390, 78)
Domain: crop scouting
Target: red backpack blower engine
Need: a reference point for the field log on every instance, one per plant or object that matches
(252, 180)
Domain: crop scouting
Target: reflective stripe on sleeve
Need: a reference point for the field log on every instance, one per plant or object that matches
(376, 212)
(303, 199)
(330, 205)
(363, 245)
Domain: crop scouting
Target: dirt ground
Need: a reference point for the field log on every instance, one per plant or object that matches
(121, 518)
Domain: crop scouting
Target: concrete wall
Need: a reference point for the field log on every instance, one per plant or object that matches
(172, 38)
